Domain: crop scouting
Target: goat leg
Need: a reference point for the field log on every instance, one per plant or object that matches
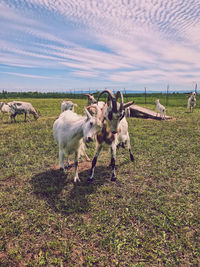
(76, 177)
(129, 149)
(66, 166)
(61, 159)
(113, 157)
(94, 161)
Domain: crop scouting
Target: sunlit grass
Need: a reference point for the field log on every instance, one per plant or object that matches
(149, 217)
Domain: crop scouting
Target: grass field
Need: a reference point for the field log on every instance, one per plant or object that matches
(148, 217)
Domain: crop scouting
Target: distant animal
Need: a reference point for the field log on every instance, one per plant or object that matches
(192, 102)
(67, 105)
(160, 109)
(5, 108)
(69, 130)
(92, 100)
(127, 112)
(20, 107)
(114, 131)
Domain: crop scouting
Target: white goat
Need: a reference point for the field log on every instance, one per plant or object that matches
(20, 107)
(192, 102)
(92, 100)
(127, 112)
(5, 108)
(123, 137)
(67, 105)
(114, 131)
(69, 129)
(160, 109)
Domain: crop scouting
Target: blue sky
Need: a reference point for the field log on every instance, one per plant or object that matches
(55, 45)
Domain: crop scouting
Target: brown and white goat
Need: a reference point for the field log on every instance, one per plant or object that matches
(113, 118)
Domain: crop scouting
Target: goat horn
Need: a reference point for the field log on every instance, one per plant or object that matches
(88, 95)
(128, 104)
(119, 94)
(112, 97)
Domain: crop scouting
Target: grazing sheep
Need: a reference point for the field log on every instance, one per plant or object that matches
(67, 105)
(69, 130)
(160, 109)
(192, 102)
(114, 131)
(19, 107)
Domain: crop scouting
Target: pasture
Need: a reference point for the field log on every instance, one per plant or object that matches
(148, 217)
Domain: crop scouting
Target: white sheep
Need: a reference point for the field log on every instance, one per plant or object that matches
(69, 130)
(67, 105)
(160, 109)
(192, 102)
(20, 107)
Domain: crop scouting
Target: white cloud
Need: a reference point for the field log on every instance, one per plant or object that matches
(28, 75)
(113, 41)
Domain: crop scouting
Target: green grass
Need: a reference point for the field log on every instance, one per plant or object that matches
(149, 217)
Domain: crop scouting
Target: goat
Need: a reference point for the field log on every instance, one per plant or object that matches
(68, 131)
(192, 102)
(161, 109)
(5, 108)
(114, 129)
(19, 107)
(127, 112)
(67, 105)
(123, 137)
(92, 100)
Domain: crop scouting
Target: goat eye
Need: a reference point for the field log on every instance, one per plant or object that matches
(91, 124)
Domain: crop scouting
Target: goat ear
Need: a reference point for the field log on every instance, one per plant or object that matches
(126, 105)
(89, 116)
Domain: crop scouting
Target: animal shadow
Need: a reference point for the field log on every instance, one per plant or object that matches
(64, 196)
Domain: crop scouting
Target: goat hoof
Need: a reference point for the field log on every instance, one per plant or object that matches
(114, 178)
(76, 181)
(61, 169)
(90, 180)
(132, 158)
